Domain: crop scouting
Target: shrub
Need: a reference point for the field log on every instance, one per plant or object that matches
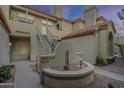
(109, 61)
(99, 60)
(104, 62)
(5, 73)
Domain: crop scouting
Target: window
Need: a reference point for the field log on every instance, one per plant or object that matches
(43, 30)
(59, 26)
(43, 21)
(21, 15)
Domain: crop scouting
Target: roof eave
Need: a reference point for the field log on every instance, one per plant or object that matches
(90, 32)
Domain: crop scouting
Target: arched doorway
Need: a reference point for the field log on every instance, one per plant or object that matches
(110, 44)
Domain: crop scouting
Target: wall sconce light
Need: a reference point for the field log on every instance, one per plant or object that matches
(10, 44)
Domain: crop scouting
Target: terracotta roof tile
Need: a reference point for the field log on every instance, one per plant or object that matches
(63, 19)
(79, 20)
(39, 11)
(87, 31)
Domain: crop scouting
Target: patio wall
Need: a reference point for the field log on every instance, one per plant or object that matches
(4, 46)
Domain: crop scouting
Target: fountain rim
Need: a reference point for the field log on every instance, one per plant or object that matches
(75, 73)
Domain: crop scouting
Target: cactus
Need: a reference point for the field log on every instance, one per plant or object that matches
(66, 67)
(67, 57)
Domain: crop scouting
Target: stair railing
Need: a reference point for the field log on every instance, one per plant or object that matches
(43, 42)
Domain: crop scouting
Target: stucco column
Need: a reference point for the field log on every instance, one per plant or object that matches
(33, 45)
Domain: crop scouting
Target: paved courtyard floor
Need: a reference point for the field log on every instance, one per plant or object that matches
(25, 77)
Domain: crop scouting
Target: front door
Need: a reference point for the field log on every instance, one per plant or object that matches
(20, 49)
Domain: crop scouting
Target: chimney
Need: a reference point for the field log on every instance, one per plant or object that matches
(58, 11)
(90, 15)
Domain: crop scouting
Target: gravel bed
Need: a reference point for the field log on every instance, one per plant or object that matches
(116, 67)
(103, 81)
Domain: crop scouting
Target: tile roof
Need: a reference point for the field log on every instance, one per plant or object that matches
(84, 32)
(62, 19)
(39, 11)
(87, 31)
(79, 20)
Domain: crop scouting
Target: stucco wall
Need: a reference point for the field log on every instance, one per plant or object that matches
(85, 45)
(29, 30)
(93, 45)
(77, 26)
(60, 53)
(4, 47)
(20, 28)
(66, 29)
(5, 9)
(26, 30)
(100, 22)
(102, 44)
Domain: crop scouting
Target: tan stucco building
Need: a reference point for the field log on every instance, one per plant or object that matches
(34, 33)
(96, 39)
(4, 40)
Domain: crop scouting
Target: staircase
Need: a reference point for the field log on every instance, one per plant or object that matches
(44, 43)
(47, 44)
(52, 45)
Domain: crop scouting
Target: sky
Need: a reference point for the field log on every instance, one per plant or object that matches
(73, 12)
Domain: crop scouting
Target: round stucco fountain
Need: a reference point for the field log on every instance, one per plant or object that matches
(68, 73)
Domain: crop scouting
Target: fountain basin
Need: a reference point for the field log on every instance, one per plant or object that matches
(70, 78)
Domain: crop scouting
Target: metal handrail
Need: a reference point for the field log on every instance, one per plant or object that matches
(42, 39)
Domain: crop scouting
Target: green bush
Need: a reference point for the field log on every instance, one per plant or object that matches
(109, 61)
(99, 60)
(104, 62)
(5, 72)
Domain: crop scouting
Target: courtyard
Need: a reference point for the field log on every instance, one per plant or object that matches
(28, 77)
(25, 75)
(111, 73)
(48, 50)
(116, 67)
